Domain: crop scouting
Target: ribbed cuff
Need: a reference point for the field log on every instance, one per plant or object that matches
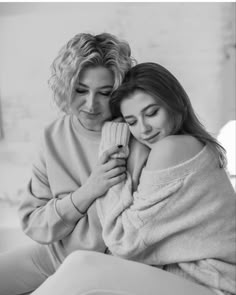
(114, 134)
(66, 209)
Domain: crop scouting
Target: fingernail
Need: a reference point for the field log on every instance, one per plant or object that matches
(120, 146)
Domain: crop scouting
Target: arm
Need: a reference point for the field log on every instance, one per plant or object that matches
(172, 151)
(111, 206)
(129, 221)
(136, 161)
(46, 218)
(135, 222)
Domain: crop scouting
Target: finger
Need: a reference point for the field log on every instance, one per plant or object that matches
(115, 172)
(115, 180)
(113, 163)
(108, 153)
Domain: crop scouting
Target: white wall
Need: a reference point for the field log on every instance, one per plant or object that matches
(196, 41)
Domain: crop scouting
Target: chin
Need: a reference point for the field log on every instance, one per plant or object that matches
(91, 125)
(94, 127)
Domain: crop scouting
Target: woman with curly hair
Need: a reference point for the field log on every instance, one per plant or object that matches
(58, 210)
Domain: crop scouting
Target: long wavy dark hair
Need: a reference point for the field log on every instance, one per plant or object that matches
(158, 82)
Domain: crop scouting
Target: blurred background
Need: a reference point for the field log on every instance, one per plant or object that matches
(195, 41)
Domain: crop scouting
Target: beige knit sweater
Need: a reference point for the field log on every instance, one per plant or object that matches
(181, 219)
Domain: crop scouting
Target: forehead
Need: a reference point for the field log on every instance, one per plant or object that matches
(136, 102)
(96, 77)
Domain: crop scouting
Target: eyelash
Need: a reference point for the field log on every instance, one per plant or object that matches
(131, 123)
(105, 93)
(79, 91)
(153, 113)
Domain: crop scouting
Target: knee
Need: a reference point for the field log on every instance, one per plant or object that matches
(84, 259)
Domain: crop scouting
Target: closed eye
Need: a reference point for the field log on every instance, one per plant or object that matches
(80, 91)
(152, 113)
(131, 123)
(105, 93)
(84, 91)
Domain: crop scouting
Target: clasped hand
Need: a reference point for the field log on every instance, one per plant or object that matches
(107, 173)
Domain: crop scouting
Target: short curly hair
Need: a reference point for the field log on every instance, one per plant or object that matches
(86, 50)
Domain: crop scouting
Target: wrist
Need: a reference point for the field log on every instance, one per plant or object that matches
(75, 205)
(82, 198)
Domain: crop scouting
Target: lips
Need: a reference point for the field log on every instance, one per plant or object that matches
(151, 137)
(91, 114)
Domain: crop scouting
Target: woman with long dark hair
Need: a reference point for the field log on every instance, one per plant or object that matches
(182, 216)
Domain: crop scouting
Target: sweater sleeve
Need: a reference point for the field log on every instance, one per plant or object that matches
(45, 218)
(177, 219)
(124, 215)
(129, 224)
(113, 133)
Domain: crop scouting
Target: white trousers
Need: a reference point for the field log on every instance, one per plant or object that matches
(25, 268)
(86, 273)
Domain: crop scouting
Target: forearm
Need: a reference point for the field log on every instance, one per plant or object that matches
(81, 199)
(120, 227)
(87, 234)
(118, 198)
(40, 218)
(132, 216)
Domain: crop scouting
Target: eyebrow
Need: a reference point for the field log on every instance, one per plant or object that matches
(102, 87)
(142, 111)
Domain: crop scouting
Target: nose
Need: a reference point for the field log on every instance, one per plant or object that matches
(144, 126)
(91, 102)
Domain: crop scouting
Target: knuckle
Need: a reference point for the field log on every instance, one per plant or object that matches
(120, 169)
(123, 176)
(118, 162)
(105, 155)
(113, 163)
(121, 161)
(120, 177)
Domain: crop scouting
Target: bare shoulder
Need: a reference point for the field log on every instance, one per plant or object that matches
(173, 150)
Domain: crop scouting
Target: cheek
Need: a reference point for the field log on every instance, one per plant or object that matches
(134, 131)
(105, 106)
(77, 102)
(169, 126)
(167, 121)
(157, 122)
